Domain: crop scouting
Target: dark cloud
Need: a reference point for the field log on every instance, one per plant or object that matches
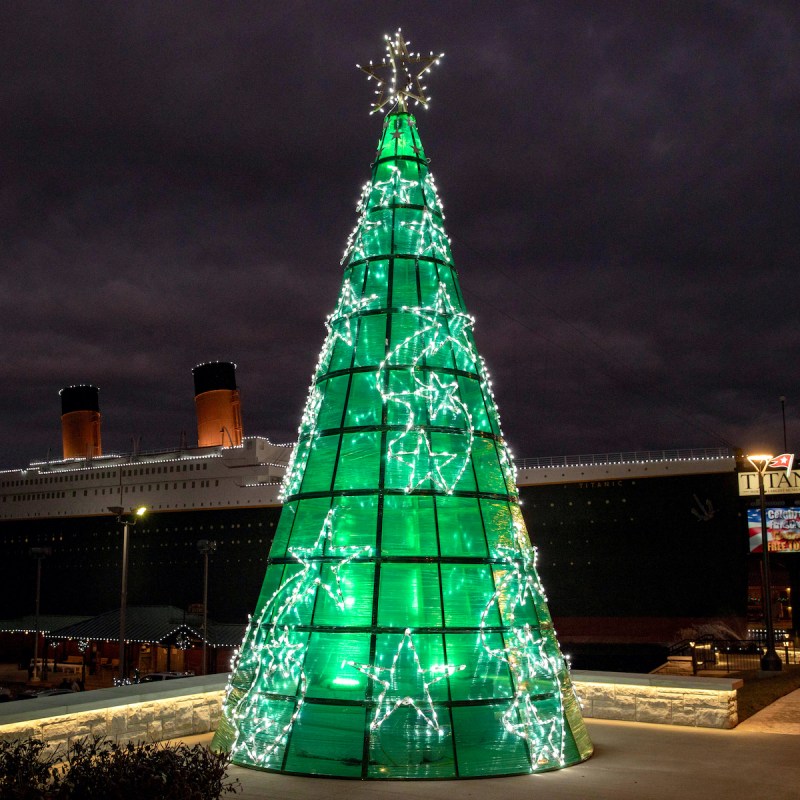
(177, 182)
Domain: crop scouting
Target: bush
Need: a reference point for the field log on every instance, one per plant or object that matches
(25, 773)
(96, 767)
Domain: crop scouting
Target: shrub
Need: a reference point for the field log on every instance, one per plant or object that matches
(96, 767)
(25, 773)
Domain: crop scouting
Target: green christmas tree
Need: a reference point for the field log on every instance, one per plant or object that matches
(402, 631)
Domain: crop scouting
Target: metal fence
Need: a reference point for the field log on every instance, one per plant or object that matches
(730, 655)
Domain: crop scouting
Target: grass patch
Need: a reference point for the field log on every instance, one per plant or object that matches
(759, 691)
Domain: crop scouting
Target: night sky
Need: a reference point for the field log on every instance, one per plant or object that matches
(621, 184)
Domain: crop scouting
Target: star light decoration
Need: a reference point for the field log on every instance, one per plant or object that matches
(441, 325)
(536, 710)
(271, 657)
(340, 328)
(398, 75)
(406, 685)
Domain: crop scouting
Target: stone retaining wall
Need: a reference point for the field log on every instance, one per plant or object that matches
(193, 705)
(668, 700)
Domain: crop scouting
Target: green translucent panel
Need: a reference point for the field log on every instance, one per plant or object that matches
(371, 341)
(327, 740)
(404, 283)
(453, 463)
(578, 745)
(326, 667)
(411, 234)
(431, 200)
(335, 391)
(465, 588)
(472, 397)
(460, 527)
(487, 676)
(384, 183)
(359, 470)
(376, 234)
(406, 343)
(377, 283)
(319, 469)
(444, 356)
(484, 747)
(354, 273)
(309, 521)
(405, 143)
(405, 746)
(342, 355)
(283, 530)
(463, 356)
(386, 147)
(428, 282)
(355, 521)
(409, 596)
(346, 596)
(260, 736)
(533, 611)
(272, 581)
(429, 649)
(448, 278)
(487, 467)
(364, 404)
(498, 524)
(410, 183)
(405, 404)
(409, 526)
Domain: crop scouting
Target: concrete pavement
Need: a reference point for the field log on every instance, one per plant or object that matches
(632, 761)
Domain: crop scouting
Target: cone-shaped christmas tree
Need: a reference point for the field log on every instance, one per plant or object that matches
(401, 631)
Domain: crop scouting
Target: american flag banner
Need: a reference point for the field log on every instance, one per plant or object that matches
(783, 530)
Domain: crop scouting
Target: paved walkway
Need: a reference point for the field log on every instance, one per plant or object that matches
(632, 761)
(782, 716)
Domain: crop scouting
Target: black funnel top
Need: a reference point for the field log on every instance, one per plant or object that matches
(80, 398)
(214, 375)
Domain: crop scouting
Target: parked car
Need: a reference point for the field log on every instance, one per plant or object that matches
(30, 694)
(164, 676)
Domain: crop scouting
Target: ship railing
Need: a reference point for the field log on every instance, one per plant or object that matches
(633, 456)
(116, 458)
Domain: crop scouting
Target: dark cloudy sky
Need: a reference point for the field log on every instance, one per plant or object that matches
(178, 180)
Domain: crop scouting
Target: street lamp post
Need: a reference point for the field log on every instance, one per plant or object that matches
(206, 547)
(783, 417)
(125, 521)
(770, 661)
(38, 553)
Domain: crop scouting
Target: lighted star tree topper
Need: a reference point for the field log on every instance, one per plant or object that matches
(401, 631)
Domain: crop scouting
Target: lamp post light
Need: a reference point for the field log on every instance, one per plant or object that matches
(206, 547)
(38, 553)
(770, 661)
(783, 417)
(126, 520)
(83, 646)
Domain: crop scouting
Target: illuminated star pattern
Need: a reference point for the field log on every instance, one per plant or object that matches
(441, 326)
(269, 658)
(406, 684)
(398, 75)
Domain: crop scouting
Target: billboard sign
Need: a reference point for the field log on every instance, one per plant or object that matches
(783, 529)
(774, 483)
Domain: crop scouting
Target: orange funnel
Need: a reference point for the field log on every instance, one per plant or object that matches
(216, 398)
(80, 421)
